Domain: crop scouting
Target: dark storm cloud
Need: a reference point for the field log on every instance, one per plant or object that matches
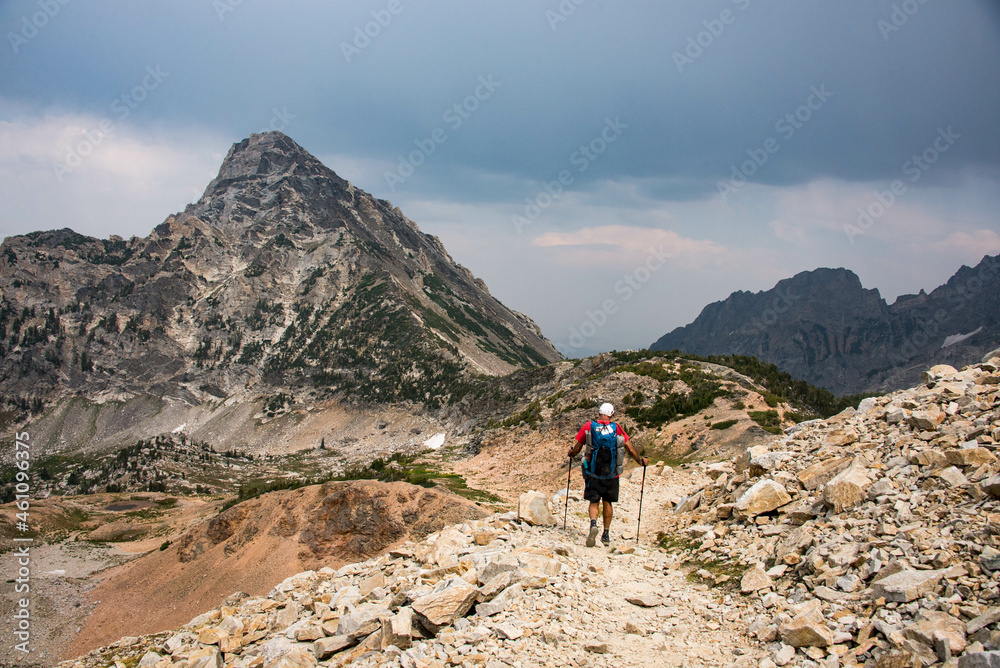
(702, 85)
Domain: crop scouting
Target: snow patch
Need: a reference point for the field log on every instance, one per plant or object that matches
(435, 441)
(958, 338)
(179, 429)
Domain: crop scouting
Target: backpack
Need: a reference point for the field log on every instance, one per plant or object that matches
(604, 457)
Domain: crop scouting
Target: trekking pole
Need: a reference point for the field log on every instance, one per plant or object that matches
(641, 490)
(569, 476)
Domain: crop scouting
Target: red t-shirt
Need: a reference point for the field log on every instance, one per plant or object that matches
(581, 436)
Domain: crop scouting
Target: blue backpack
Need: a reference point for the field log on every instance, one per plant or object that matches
(605, 449)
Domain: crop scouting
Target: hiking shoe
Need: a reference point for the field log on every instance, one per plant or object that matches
(592, 537)
(605, 537)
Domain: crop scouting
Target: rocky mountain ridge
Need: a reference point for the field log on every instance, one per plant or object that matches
(282, 279)
(822, 326)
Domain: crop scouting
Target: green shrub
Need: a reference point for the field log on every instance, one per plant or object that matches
(725, 424)
(768, 420)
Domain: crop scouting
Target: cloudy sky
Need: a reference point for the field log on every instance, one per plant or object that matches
(607, 167)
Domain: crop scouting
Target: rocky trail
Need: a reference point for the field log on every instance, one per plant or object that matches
(491, 592)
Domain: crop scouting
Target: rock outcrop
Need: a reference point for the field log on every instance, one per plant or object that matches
(822, 326)
(891, 560)
(283, 277)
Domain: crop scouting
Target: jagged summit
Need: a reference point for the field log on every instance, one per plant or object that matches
(824, 327)
(282, 278)
(268, 154)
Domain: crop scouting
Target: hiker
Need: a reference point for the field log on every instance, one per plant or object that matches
(606, 442)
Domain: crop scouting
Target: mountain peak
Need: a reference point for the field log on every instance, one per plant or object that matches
(267, 154)
(825, 327)
(283, 277)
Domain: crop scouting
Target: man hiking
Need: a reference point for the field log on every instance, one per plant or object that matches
(604, 458)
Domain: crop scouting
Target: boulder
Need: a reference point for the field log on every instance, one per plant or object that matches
(937, 372)
(767, 462)
(287, 615)
(980, 660)
(795, 543)
(953, 476)
(906, 585)
(309, 632)
(446, 604)
(209, 657)
(398, 630)
(149, 659)
(842, 416)
(896, 415)
(806, 631)
(497, 566)
(969, 456)
(764, 496)
(868, 404)
(231, 625)
(533, 508)
(324, 648)
(500, 602)
(989, 558)
(988, 618)
(508, 631)
(927, 419)
(991, 486)
(443, 549)
(898, 659)
(933, 627)
(841, 437)
(881, 487)
(362, 621)
(848, 488)
(820, 473)
(753, 579)
(742, 462)
(297, 657)
(644, 600)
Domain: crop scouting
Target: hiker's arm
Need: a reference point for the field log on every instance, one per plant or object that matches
(642, 461)
(575, 450)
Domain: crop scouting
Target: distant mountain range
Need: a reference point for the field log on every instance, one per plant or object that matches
(822, 326)
(283, 277)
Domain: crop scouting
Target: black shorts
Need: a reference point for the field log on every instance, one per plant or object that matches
(597, 489)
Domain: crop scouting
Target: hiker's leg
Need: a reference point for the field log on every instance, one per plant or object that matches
(608, 514)
(594, 508)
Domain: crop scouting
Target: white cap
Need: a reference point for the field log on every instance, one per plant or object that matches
(607, 409)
